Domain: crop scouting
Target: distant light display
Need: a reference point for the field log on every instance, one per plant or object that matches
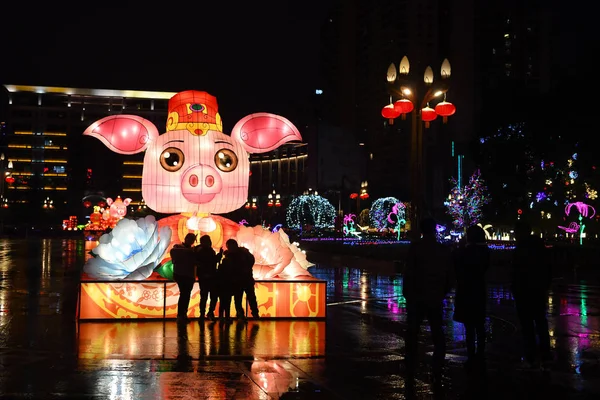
(465, 204)
(397, 217)
(380, 210)
(310, 210)
(585, 210)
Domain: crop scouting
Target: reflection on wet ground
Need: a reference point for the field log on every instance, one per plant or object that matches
(356, 353)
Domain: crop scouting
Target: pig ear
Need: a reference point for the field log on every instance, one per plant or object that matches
(127, 201)
(124, 134)
(109, 201)
(262, 132)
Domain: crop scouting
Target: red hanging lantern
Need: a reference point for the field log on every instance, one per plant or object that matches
(364, 196)
(353, 196)
(404, 106)
(87, 204)
(428, 114)
(390, 113)
(10, 179)
(445, 109)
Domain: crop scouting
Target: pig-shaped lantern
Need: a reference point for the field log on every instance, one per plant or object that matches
(197, 170)
(116, 211)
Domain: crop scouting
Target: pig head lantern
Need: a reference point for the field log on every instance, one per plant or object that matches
(195, 169)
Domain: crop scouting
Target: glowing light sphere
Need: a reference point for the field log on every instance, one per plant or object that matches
(310, 210)
(380, 210)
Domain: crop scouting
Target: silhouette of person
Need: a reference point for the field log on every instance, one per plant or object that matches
(426, 282)
(243, 280)
(227, 281)
(531, 278)
(184, 260)
(471, 263)
(207, 261)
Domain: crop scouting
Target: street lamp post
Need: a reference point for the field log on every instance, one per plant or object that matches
(413, 97)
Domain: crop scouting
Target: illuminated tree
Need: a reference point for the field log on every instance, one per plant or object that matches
(380, 210)
(465, 204)
(310, 210)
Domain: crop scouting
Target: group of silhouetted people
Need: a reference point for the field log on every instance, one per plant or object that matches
(432, 269)
(222, 276)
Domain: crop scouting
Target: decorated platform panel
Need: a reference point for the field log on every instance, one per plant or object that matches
(158, 340)
(157, 299)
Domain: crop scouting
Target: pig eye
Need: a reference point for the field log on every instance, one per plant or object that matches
(226, 160)
(171, 159)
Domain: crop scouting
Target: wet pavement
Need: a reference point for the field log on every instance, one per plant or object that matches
(356, 353)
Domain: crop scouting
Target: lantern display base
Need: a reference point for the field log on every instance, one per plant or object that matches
(156, 298)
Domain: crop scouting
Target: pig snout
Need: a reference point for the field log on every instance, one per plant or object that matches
(200, 184)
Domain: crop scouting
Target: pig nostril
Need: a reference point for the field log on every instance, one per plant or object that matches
(193, 180)
(209, 181)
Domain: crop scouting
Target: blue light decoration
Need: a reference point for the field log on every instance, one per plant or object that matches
(465, 204)
(276, 228)
(310, 210)
(381, 208)
(573, 174)
(541, 196)
(397, 217)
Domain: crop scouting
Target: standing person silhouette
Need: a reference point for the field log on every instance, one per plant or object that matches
(206, 271)
(471, 263)
(227, 280)
(531, 279)
(426, 282)
(243, 261)
(184, 261)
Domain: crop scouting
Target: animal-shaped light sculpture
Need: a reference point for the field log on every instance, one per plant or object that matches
(194, 168)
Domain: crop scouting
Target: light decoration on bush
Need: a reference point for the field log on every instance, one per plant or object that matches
(380, 209)
(193, 169)
(312, 210)
(585, 210)
(465, 204)
(397, 217)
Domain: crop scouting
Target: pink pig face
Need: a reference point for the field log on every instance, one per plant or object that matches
(186, 172)
(118, 207)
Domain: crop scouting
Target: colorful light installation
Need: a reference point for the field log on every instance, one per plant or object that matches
(465, 204)
(397, 217)
(194, 168)
(380, 210)
(311, 210)
(585, 210)
(349, 228)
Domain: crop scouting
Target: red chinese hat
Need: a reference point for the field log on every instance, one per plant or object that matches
(194, 111)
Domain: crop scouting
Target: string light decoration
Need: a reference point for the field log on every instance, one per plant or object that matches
(380, 210)
(310, 210)
(465, 204)
(397, 217)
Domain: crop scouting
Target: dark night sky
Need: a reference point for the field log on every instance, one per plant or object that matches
(254, 56)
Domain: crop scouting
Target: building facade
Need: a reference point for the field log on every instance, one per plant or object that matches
(53, 163)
